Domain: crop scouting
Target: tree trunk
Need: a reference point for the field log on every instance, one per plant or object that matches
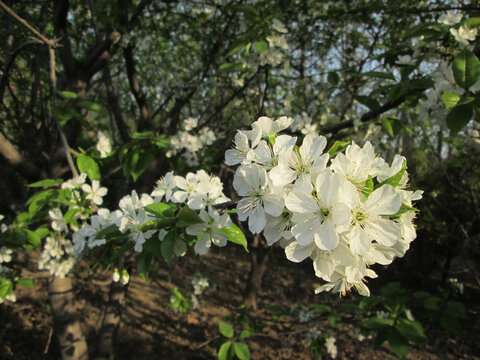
(111, 320)
(73, 345)
(258, 264)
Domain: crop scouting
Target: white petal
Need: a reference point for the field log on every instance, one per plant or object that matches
(326, 238)
(296, 252)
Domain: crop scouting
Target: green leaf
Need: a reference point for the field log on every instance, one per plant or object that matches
(161, 210)
(225, 329)
(235, 235)
(87, 165)
(47, 183)
(410, 330)
(450, 99)
(338, 146)
(245, 334)
(395, 179)
(458, 117)
(471, 22)
(187, 217)
(67, 95)
(143, 265)
(398, 344)
(333, 78)
(143, 135)
(375, 323)
(227, 67)
(466, 69)
(404, 209)
(378, 74)
(33, 238)
(241, 350)
(144, 161)
(261, 46)
(334, 319)
(154, 246)
(387, 127)
(6, 287)
(431, 303)
(37, 201)
(167, 246)
(88, 105)
(25, 283)
(224, 353)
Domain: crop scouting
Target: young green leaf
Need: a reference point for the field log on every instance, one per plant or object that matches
(458, 117)
(338, 146)
(224, 353)
(225, 329)
(241, 350)
(187, 217)
(450, 99)
(87, 165)
(398, 344)
(466, 69)
(46, 183)
(167, 246)
(395, 179)
(235, 235)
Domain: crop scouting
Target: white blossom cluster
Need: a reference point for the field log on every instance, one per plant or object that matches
(57, 257)
(323, 208)
(191, 145)
(198, 191)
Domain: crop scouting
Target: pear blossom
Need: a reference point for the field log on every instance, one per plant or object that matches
(265, 127)
(75, 182)
(190, 123)
(164, 187)
(58, 222)
(209, 232)
(103, 145)
(238, 154)
(307, 160)
(252, 182)
(316, 217)
(95, 192)
(464, 35)
(5, 254)
(450, 18)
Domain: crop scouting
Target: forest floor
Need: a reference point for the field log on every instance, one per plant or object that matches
(150, 329)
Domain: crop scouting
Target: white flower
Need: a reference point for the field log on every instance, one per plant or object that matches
(307, 160)
(312, 334)
(238, 154)
(316, 217)
(190, 123)
(75, 182)
(103, 145)
(199, 283)
(130, 203)
(209, 232)
(278, 26)
(5, 254)
(164, 187)
(251, 182)
(464, 35)
(405, 60)
(265, 127)
(58, 222)
(95, 192)
(368, 221)
(450, 18)
(358, 163)
(331, 347)
(263, 154)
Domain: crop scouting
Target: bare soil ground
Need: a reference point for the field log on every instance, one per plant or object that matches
(152, 330)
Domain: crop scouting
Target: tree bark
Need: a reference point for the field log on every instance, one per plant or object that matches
(111, 320)
(73, 345)
(259, 256)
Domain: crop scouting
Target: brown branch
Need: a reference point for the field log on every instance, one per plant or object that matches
(114, 105)
(111, 320)
(25, 168)
(136, 90)
(50, 42)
